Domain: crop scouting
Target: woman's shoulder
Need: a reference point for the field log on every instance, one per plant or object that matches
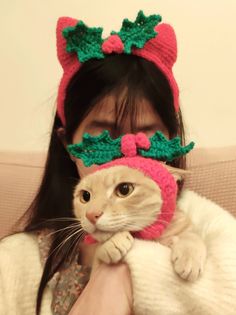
(18, 249)
(20, 273)
(18, 242)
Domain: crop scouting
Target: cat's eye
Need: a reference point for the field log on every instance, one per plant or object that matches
(124, 189)
(84, 196)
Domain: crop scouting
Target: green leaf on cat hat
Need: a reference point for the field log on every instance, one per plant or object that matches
(96, 150)
(165, 150)
(137, 33)
(85, 41)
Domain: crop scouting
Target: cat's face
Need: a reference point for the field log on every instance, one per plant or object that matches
(116, 199)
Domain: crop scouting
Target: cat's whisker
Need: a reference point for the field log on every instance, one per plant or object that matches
(111, 220)
(61, 219)
(160, 220)
(74, 246)
(60, 246)
(64, 242)
(140, 216)
(72, 226)
(133, 226)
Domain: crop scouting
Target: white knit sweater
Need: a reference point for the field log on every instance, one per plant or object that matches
(20, 274)
(157, 290)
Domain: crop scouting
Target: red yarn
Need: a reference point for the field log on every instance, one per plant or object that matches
(113, 44)
(130, 143)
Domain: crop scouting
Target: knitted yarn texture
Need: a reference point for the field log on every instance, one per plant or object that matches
(102, 148)
(77, 43)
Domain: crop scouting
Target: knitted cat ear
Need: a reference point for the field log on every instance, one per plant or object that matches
(145, 37)
(177, 173)
(162, 50)
(69, 63)
(66, 60)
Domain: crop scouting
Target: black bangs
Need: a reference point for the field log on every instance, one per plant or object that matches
(130, 79)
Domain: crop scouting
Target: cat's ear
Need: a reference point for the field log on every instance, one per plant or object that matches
(177, 173)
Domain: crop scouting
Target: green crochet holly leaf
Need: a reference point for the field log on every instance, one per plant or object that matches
(96, 150)
(165, 150)
(137, 33)
(85, 41)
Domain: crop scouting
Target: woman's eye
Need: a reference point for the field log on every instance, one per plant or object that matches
(124, 189)
(84, 196)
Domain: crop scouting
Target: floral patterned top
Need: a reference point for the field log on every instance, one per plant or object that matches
(67, 283)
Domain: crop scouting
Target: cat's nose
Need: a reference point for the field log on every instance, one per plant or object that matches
(93, 216)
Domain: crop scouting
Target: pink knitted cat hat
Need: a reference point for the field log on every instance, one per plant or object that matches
(137, 151)
(145, 37)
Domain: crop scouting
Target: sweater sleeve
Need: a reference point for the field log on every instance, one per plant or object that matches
(20, 273)
(157, 290)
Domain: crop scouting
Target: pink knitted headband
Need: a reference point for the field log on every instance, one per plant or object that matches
(145, 37)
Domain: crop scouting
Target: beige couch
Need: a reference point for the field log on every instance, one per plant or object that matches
(213, 175)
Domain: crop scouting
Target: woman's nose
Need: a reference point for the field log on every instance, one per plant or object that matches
(93, 216)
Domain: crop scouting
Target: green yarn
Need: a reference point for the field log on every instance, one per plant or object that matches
(96, 150)
(165, 150)
(85, 41)
(101, 149)
(137, 33)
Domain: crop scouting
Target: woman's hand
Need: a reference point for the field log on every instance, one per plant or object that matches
(108, 292)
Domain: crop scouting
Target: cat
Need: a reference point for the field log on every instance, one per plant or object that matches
(113, 202)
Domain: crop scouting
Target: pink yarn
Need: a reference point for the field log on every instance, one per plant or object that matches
(142, 141)
(113, 44)
(130, 143)
(161, 50)
(88, 239)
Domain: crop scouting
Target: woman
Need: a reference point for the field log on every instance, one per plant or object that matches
(123, 84)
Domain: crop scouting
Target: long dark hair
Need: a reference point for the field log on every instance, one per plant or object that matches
(94, 80)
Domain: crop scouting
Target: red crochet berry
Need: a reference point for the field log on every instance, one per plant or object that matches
(113, 44)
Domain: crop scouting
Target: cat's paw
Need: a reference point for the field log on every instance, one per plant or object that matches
(114, 250)
(188, 259)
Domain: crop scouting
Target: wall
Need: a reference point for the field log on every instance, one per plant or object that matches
(30, 73)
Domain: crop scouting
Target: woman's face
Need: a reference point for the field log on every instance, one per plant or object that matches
(103, 117)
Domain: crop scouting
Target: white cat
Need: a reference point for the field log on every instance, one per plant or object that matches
(113, 202)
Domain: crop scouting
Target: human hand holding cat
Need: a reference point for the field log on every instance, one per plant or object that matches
(108, 292)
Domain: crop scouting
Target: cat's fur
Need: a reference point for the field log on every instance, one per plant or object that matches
(117, 217)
